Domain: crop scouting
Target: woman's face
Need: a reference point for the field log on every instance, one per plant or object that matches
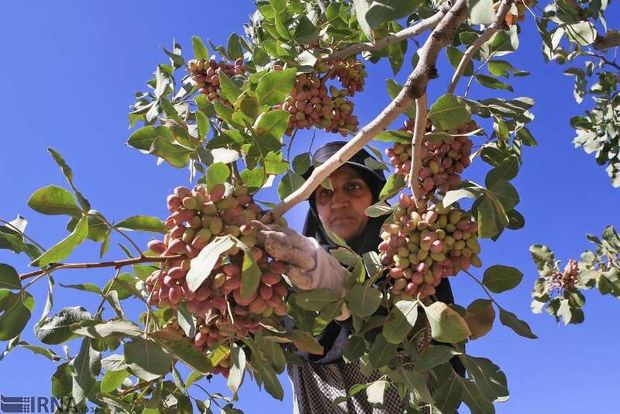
(343, 210)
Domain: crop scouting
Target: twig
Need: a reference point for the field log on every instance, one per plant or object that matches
(504, 8)
(116, 264)
(483, 288)
(414, 88)
(418, 28)
(603, 59)
(419, 129)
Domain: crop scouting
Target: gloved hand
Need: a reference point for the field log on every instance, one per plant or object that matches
(310, 266)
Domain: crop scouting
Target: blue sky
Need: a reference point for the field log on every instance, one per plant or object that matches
(69, 70)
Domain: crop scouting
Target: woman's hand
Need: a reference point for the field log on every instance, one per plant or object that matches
(310, 266)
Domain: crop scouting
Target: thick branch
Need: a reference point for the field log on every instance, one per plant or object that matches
(416, 154)
(418, 28)
(414, 88)
(115, 264)
(504, 8)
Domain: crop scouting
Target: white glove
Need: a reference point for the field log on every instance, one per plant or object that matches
(310, 266)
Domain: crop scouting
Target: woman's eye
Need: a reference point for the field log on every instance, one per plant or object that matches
(354, 186)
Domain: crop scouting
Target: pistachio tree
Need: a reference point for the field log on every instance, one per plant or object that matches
(215, 302)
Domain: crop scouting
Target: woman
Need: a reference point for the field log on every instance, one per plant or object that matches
(341, 210)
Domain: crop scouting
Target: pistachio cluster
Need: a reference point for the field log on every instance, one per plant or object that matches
(197, 217)
(206, 74)
(314, 103)
(443, 160)
(421, 246)
(567, 278)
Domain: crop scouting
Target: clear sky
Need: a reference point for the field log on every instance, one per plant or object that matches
(68, 73)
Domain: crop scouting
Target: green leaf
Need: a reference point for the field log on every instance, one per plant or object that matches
(112, 380)
(446, 323)
(490, 221)
(305, 342)
(376, 391)
(498, 278)
(9, 279)
(146, 359)
(84, 370)
(363, 301)
(402, 137)
(63, 249)
(520, 327)
(453, 196)
(268, 376)
(479, 317)
(302, 162)
(290, 182)
(434, 356)
(316, 299)
(68, 173)
(176, 155)
(237, 370)
(217, 174)
(250, 273)
(253, 178)
(505, 193)
(15, 312)
(454, 56)
(490, 380)
(270, 127)
(400, 321)
(85, 287)
(504, 68)
(62, 384)
(274, 164)
(182, 349)
(361, 8)
(394, 184)
(234, 47)
(305, 31)
(144, 137)
(394, 89)
(381, 208)
(202, 265)
(116, 327)
(47, 353)
(54, 200)
(354, 348)
(481, 11)
(492, 83)
(583, 33)
(382, 11)
(449, 112)
(396, 51)
(506, 171)
(124, 285)
(203, 124)
(229, 90)
(57, 329)
(200, 50)
(275, 86)
(381, 352)
(142, 223)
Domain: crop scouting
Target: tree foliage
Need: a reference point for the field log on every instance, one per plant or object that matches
(214, 302)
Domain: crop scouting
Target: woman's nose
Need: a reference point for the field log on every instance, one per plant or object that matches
(339, 200)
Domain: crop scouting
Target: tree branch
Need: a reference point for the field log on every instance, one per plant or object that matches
(414, 88)
(504, 8)
(419, 129)
(611, 39)
(418, 28)
(116, 264)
